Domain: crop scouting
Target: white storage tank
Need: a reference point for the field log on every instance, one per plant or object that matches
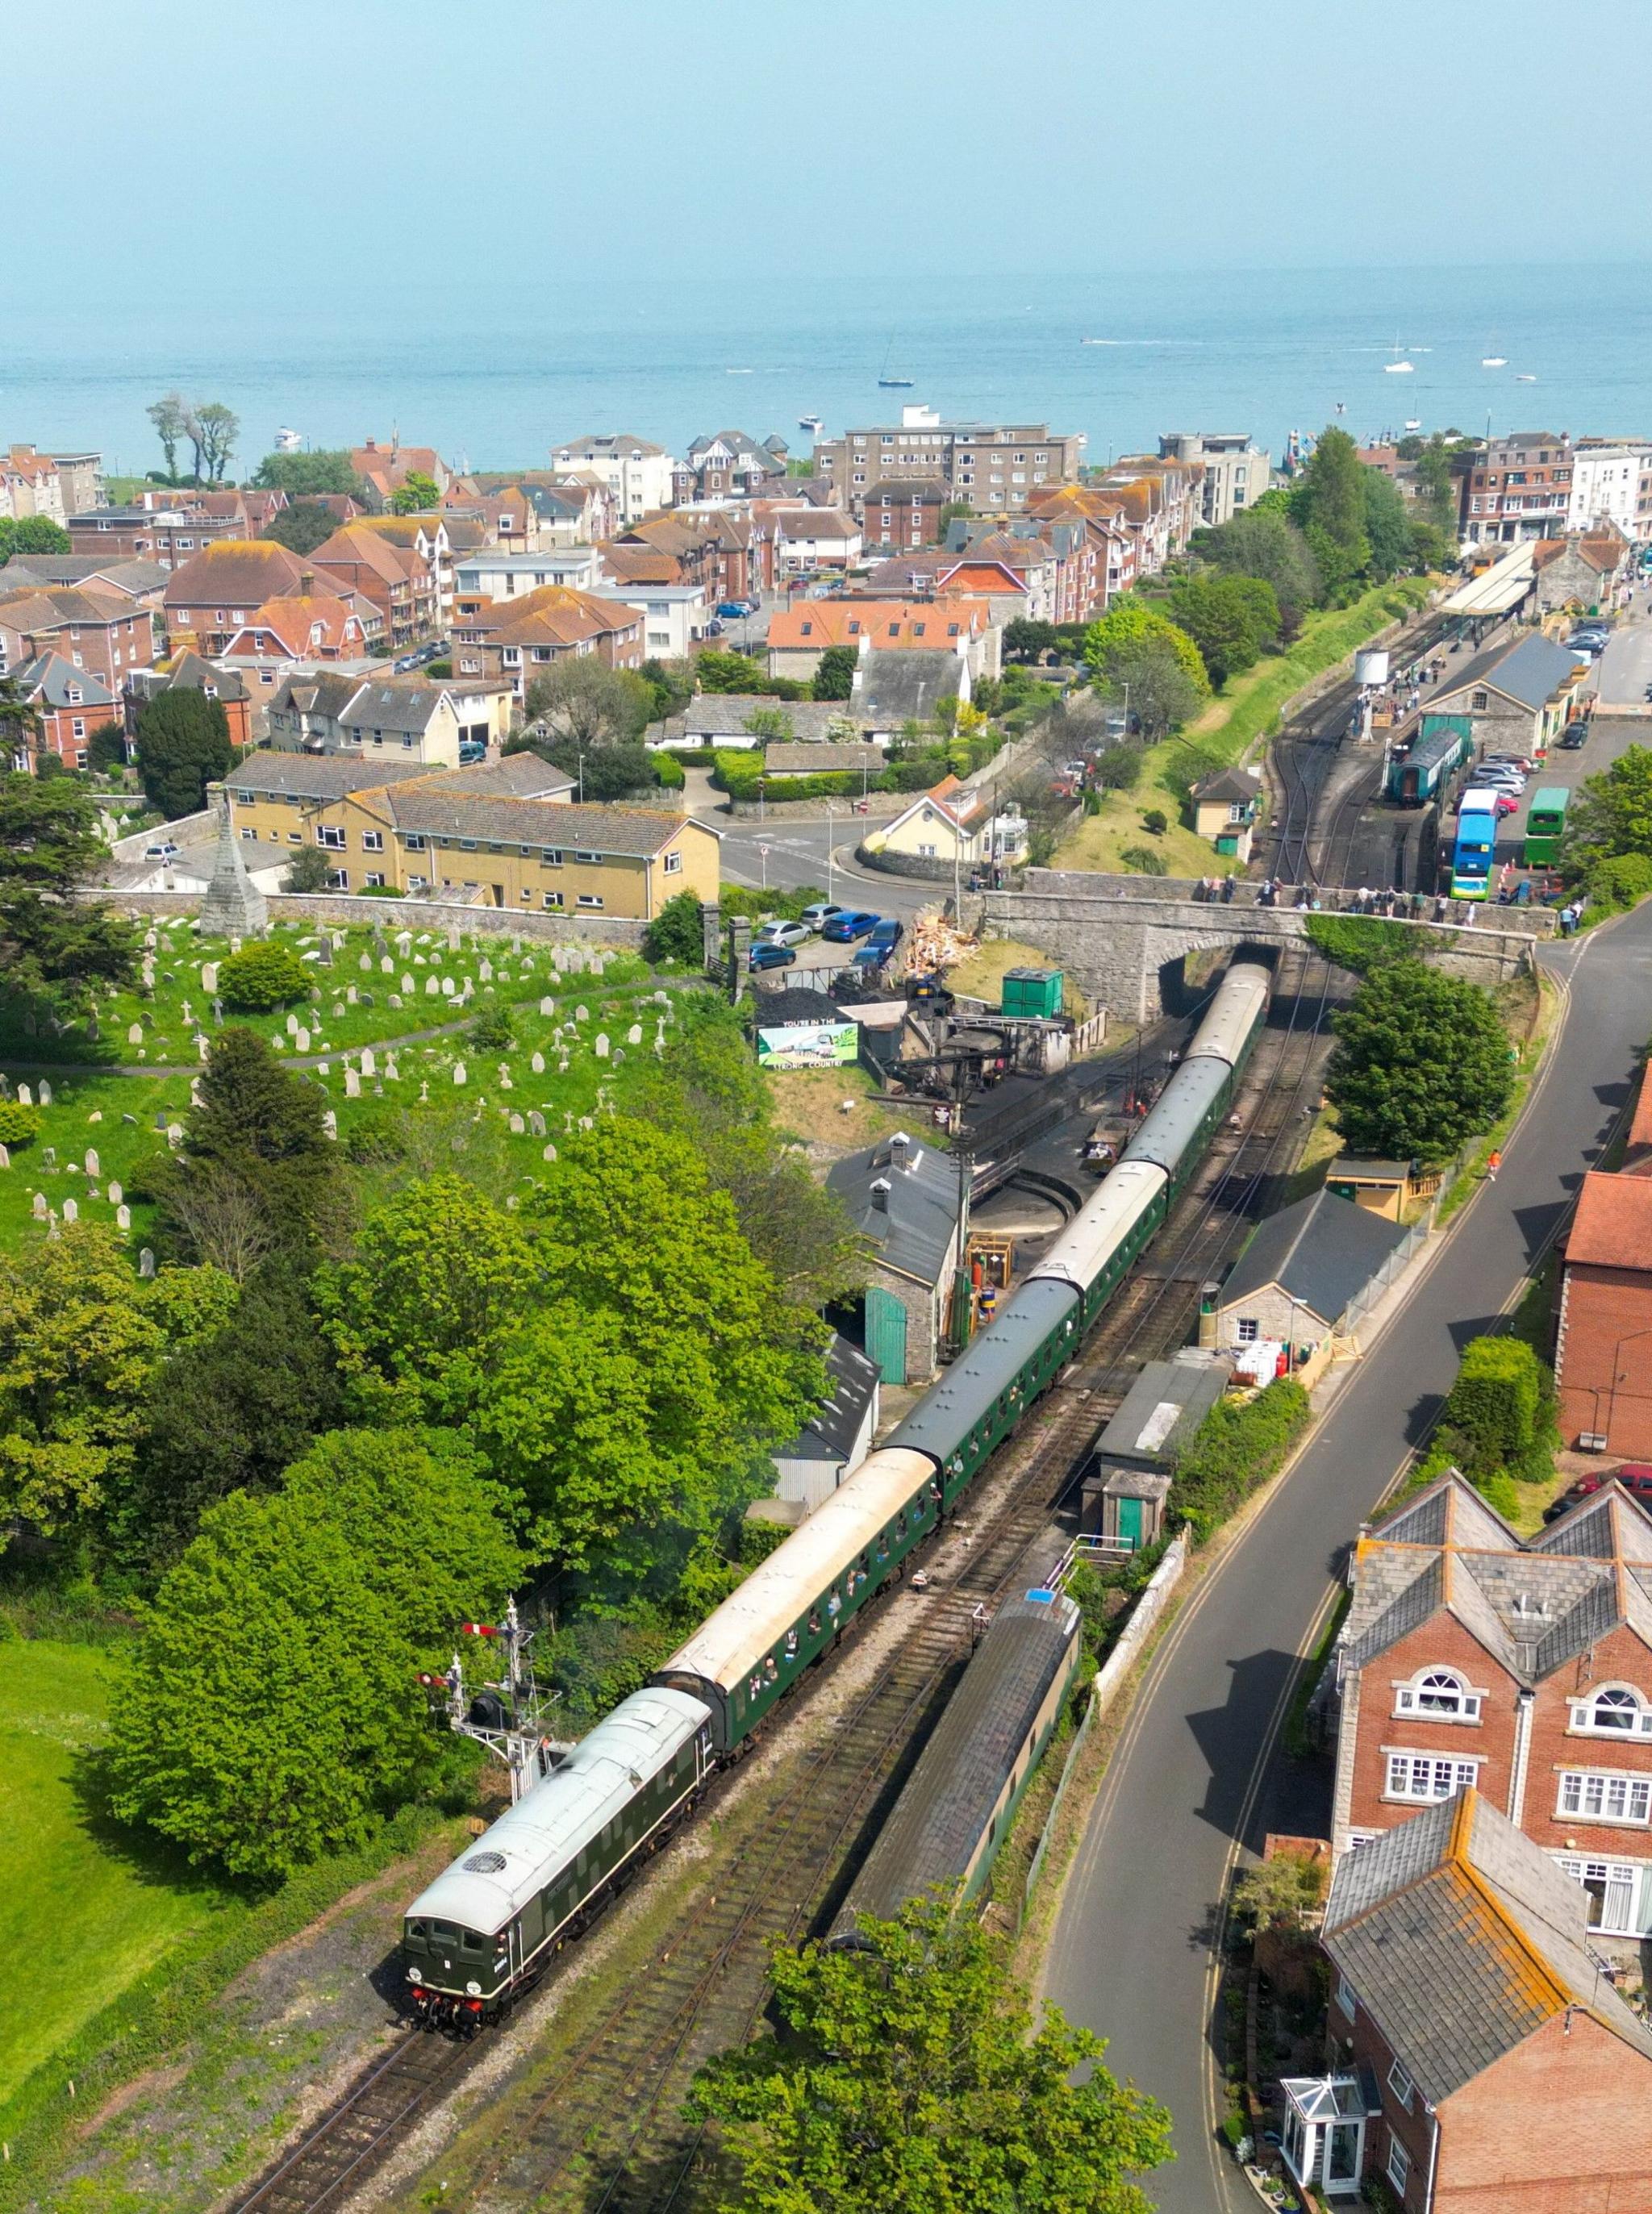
(1370, 665)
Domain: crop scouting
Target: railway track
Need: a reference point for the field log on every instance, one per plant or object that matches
(607, 2133)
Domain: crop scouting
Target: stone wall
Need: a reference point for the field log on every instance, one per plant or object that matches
(341, 909)
(1125, 949)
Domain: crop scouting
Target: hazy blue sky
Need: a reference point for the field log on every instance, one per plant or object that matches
(338, 144)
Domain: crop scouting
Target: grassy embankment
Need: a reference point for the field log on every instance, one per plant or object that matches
(1225, 733)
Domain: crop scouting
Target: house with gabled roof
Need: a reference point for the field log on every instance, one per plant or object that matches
(69, 705)
(1605, 1331)
(1481, 2061)
(1585, 572)
(107, 634)
(302, 626)
(1517, 694)
(1521, 1667)
(395, 579)
(511, 641)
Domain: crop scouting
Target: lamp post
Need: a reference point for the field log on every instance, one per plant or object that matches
(830, 843)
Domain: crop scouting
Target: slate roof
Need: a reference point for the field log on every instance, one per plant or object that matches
(1321, 1252)
(1529, 673)
(133, 575)
(897, 686)
(324, 695)
(852, 1385)
(723, 715)
(48, 677)
(318, 777)
(193, 672)
(439, 806)
(1533, 1603)
(1612, 1227)
(1461, 1938)
(913, 1230)
(410, 708)
(1228, 783)
(1162, 1410)
(56, 606)
(517, 776)
(820, 757)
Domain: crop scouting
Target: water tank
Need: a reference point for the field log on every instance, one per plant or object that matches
(1371, 666)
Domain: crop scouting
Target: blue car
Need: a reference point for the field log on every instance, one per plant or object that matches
(842, 929)
(737, 611)
(769, 956)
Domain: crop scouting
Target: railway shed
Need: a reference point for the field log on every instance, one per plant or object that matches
(960, 1800)
(1136, 1454)
(1305, 1273)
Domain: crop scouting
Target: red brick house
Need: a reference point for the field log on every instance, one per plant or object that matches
(395, 579)
(218, 589)
(306, 627)
(385, 469)
(515, 641)
(107, 634)
(1603, 1346)
(1521, 1668)
(167, 535)
(728, 552)
(69, 704)
(899, 515)
(1483, 2062)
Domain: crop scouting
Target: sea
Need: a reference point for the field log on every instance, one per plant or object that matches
(495, 375)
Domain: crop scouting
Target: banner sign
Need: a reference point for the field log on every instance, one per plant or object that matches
(808, 1045)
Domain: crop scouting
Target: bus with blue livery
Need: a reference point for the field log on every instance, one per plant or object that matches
(1475, 845)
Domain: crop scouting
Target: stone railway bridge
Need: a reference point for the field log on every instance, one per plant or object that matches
(1124, 940)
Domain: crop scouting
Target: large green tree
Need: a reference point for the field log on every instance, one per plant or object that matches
(302, 526)
(1328, 501)
(271, 1712)
(302, 475)
(1131, 625)
(257, 1173)
(183, 745)
(1256, 543)
(1437, 486)
(1150, 677)
(415, 495)
(583, 701)
(1232, 619)
(910, 2074)
(1612, 811)
(1422, 1064)
(31, 534)
(212, 431)
(1390, 526)
(168, 414)
(81, 1339)
(834, 679)
(52, 942)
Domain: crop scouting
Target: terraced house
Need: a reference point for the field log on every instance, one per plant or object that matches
(106, 635)
(218, 592)
(511, 641)
(1520, 1667)
(396, 580)
(500, 836)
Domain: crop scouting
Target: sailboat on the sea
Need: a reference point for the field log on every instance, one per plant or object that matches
(893, 384)
(1398, 366)
(1494, 359)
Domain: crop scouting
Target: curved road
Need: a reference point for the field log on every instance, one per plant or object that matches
(1192, 1783)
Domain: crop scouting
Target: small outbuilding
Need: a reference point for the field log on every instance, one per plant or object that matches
(1225, 811)
(1307, 1273)
(1384, 1188)
(838, 1435)
(903, 1196)
(1136, 1454)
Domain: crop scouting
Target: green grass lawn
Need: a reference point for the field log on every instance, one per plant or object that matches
(123, 1117)
(81, 1913)
(1225, 731)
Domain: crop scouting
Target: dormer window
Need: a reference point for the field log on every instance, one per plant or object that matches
(1615, 1711)
(1441, 1694)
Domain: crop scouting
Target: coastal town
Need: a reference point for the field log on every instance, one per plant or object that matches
(864, 1210)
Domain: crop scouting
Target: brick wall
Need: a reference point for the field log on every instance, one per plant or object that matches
(1560, 2126)
(1605, 1379)
(1442, 1642)
(1370, 2049)
(1620, 1657)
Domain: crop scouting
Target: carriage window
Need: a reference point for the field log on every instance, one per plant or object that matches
(472, 1941)
(419, 1929)
(445, 1933)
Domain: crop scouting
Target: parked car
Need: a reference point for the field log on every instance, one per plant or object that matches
(888, 934)
(819, 913)
(1521, 761)
(782, 933)
(472, 751)
(161, 853)
(851, 924)
(1507, 803)
(1634, 1476)
(1576, 735)
(870, 957)
(737, 611)
(768, 955)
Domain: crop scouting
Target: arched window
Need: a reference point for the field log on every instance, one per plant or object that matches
(1440, 1694)
(1616, 1710)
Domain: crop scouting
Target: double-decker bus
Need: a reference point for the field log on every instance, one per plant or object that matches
(1545, 825)
(1474, 846)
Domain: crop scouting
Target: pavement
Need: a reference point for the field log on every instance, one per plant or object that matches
(1195, 1779)
(1625, 670)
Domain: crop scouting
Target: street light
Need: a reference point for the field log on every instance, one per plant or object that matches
(830, 843)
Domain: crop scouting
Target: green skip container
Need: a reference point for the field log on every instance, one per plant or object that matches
(1033, 993)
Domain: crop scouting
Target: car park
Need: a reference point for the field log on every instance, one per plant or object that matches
(853, 923)
(1507, 803)
(1577, 735)
(888, 934)
(782, 933)
(819, 913)
(768, 955)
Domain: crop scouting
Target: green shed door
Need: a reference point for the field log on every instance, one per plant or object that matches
(1130, 1523)
(886, 1334)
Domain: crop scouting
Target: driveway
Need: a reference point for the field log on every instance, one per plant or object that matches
(1194, 1779)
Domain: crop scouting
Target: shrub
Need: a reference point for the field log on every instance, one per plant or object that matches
(1155, 822)
(675, 932)
(1237, 1447)
(262, 976)
(1498, 1421)
(380, 892)
(1617, 881)
(19, 1125)
(1360, 943)
(308, 871)
(1144, 861)
(1119, 769)
(668, 772)
(490, 1031)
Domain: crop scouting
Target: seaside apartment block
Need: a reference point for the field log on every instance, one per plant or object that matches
(1233, 472)
(993, 468)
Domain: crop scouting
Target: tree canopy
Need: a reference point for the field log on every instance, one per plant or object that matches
(1612, 813)
(1232, 619)
(31, 534)
(1257, 543)
(834, 677)
(302, 475)
(910, 2073)
(1134, 643)
(51, 943)
(675, 933)
(270, 1711)
(302, 526)
(183, 745)
(256, 1171)
(1421, 1065)
(417, 494)
(591, 705)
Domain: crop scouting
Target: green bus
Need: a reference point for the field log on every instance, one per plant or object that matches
(1544, 825)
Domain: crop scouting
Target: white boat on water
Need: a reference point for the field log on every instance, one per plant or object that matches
(1494, 361)
(815, 423)
(1399, 366)
(1526, 380)
(1413, 423)
(288, 442)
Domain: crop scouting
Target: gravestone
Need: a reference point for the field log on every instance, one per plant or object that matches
(44, 1095)
(409, 985)
(366, 964)
(123, 1217)
(175, 1133)
(352, 1085)
(633, 1036)
(535, 1122)
(203, 1046)
(391, 1069)
(550, 1153)
(117, 1191)
(601, 1045)
(547, 1008)
(432, 987)
(217, 1012)
(485, 973)
(209, 976)
(447, 987)
(517, 1126)
(458, 1072)
(582, 1015)
(386, 966)
(337, 1011)
(5, 1157)
(330, 1123)
(324, 954)
(92, 1166)
(395, 1001)
(72, 1210)
(350, 998)
(145, 1263)
(25, 1096)
(369, 1061)
(453, 938)
(404, 942)
(538, 1064)
(292, 1025)
(194, 1091)
(40, 1208)
(301, 1040)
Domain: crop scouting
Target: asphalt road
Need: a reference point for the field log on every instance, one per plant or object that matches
(1191, 1782)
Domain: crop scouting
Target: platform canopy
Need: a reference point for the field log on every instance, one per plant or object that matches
(1498, 589)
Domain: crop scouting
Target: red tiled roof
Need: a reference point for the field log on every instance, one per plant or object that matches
(234, 573)
(818, 623)
(556, 614)
(1612, 1227)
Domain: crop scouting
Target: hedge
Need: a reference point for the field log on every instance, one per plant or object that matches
(1237, 1447)
(1360, 943)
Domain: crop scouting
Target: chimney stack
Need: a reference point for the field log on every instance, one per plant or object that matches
(900, 1148)
(307, 584)
(880, 1194)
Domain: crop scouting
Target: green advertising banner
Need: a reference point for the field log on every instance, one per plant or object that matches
(808, 1045)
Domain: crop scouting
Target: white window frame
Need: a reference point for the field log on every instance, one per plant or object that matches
(1345, 1998)
(1249, 1330)
(1421, 1693)
(590, 899)
(329, 838)
(1406, 1783)
(554, 900)
(1625, 1699)
(1577, 1786)
(1400, 2083)
(673, 865)
(372, 841)
(1398, 2165)
(1617, 1877)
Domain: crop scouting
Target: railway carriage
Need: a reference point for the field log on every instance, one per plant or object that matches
(960, 1423)
(757, 1644)
(534, 1878)
(1103, 1243)
(960, 1800)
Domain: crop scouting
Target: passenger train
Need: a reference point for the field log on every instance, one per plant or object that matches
(488, 1923)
